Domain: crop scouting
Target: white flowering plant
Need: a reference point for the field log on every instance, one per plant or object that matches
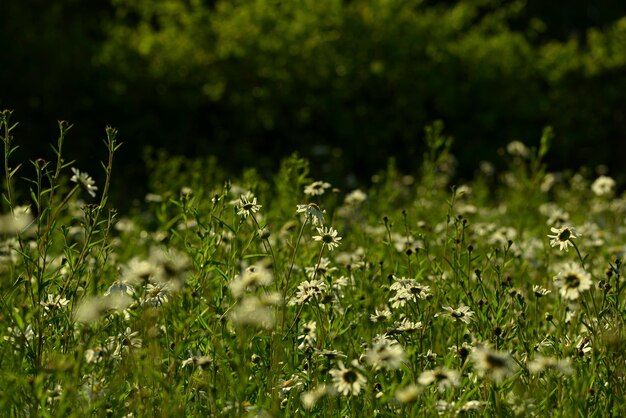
(226, 296)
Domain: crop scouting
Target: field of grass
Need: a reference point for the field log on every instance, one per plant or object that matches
(242, 296)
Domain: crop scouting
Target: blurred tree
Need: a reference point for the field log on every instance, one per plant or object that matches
(348, 83)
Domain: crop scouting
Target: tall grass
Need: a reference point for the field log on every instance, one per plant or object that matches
(222, 296)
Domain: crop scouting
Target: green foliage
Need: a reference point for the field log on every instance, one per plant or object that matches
(367, 75)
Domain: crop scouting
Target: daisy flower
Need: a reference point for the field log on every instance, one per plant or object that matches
(562, 237)
(124, 342)
(405, 326)
(472, 405)
(247, 205)
(540, 291)
(347, 381)
(138, 271)
(461, 314)
(408, 394)
(308, 335)
(407, 289)
(255, 311)
(308, 290)
(328, 236)
(444, 378)
(355, 197)
(380, 315)
(317, 188)
(310, 398)
(323, 268)
(330, 354)
(584, 346)
(312, 212)
(54, 302)
(286, 385)
(384, 353)
(518, 149)
(156, 294)
(198, 360)
(17, 336)
(254, 277)
(572, 281)
(494, 364)
(95, 355)
(462, 351)
(603, 186)
(540, 364)
(84, 181)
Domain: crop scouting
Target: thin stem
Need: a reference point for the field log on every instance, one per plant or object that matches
(291, 263)
(580, 257)
(319, 261)
(8, 173)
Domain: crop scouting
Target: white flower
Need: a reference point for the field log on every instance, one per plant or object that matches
(603, 186)
(286, 385)
(255, 311)
(247, 205)
(572, 280)
(462, 313)
(84, 181)
(408, 394)
(541, 364)
(308, 336)
(494, 364)
(156, 294)
(18, 337)
(138, 271)
(444, 378)
(254, 277)
(316, 188)
(518, 149)
(328, 236)
(406, 325)
(323, 268)
(355, 197)
(18, 221)
(124, 342)
(347, 381)
(198, 360)
(310, 398)
(380, 315)
(95, 355)
(472, 405)
(562, 237)
(386, 354)
(54, 302)
(308, 290)
(312, 212)
(407, 289)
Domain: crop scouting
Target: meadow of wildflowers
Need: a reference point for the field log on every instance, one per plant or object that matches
(419, 296)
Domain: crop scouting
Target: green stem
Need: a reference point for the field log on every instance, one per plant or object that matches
(286, 284)
(582, 260)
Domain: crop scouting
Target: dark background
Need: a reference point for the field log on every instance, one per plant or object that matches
(345, 83)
